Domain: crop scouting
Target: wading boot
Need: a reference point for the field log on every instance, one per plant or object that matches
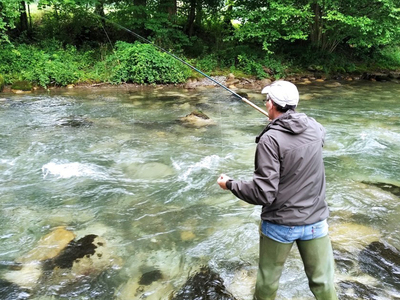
(317, 256)
(271, 260)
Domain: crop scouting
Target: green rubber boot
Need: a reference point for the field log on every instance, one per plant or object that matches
(271, 260)
(317, 256)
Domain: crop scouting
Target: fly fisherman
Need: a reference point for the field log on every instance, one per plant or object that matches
(289, 183)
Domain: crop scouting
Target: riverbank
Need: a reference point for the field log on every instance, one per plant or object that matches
(235, 82)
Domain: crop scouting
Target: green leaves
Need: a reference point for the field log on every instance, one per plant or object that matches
(42, 67)
(143, 63)
(326, 24)
(9, 13)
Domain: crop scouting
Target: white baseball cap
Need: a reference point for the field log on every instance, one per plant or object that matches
(282, 93)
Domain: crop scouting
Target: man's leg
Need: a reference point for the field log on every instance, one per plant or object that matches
(317, 256)
(272, 257)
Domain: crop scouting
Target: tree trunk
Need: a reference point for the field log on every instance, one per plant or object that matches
(99, 10)
(316, 27)
(191, 18)
(199, 13)
(170, 7)
(140, 2)
(23, 17)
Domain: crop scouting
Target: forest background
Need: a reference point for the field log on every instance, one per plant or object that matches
(61, 42)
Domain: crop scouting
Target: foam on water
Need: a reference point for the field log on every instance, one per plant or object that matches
(72, 169)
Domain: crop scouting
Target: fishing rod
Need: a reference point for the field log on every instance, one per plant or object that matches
(187, 64)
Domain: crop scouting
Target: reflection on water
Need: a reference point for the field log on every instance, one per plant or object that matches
(118, 164)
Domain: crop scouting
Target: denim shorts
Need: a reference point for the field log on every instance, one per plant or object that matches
(289, 234)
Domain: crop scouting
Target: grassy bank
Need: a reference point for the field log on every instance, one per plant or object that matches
(50, 63)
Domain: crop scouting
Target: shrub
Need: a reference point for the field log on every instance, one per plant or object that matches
(388, 57)
(208, 63)
(22, 85)
(50, 64)
(143, 63)
(1, 83)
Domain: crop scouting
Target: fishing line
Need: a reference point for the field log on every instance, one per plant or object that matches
(186, 63)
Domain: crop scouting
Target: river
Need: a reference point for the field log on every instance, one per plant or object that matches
(118, 163)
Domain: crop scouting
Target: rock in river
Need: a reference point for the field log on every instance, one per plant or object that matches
(197, 119)
(59, 259)
(382, 261)
(206, 284)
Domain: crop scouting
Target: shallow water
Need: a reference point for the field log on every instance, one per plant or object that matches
(118, 163)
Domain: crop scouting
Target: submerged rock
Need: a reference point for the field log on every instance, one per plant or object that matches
(74, 250)
(150, 277)
(197, 119)
(350, 290)
(27, 277)
(74, 121)
(352, 237)
(60, 260)
(388, 187)
(381, 261)
(11, 291)
(48, 246)
(206, 284)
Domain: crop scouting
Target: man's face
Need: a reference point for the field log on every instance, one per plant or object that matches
(269, 106)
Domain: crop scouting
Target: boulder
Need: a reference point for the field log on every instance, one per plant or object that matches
(196, 119)
(61, 260)
(11, 291)
(48, 246)
(352, 237)
(349, 290)
(21, 86)
(205, 284)
(388, 187)
(381, 261)
(74, 121)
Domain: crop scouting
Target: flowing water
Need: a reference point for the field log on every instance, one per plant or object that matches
(118, 163)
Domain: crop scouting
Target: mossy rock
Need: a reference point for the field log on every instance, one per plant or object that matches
(1, 83)
(22, 85)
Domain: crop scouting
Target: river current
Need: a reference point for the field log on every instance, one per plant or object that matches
(119, 164)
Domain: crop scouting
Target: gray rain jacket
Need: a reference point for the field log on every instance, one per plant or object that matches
(289, 175)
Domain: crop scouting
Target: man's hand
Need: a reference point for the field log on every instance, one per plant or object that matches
(222, 179)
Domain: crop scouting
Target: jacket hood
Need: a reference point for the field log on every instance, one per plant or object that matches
(291, 122)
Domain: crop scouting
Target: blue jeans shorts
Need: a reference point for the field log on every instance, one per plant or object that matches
(289, 234)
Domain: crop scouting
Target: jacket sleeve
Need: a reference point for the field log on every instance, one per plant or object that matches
(263, 188)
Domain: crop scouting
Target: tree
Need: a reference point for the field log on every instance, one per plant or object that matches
(359, 24)
(324, 23)
(9, 14)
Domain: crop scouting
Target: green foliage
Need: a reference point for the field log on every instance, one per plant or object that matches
(44, 66)
(208, 64)
(9, 13)
(1, 83)
(73, 26)
(269, 38)
(22, 85)
(270, 23)
(143, 63)
(388, 57)
(251, 66)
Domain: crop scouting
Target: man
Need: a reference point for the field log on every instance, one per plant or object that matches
(289, 183)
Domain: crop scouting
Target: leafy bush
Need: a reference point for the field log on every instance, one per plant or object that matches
(388, 57)
(1, 83)
(251, 66)
(50, 64)
(208, 63)
(143, 63)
